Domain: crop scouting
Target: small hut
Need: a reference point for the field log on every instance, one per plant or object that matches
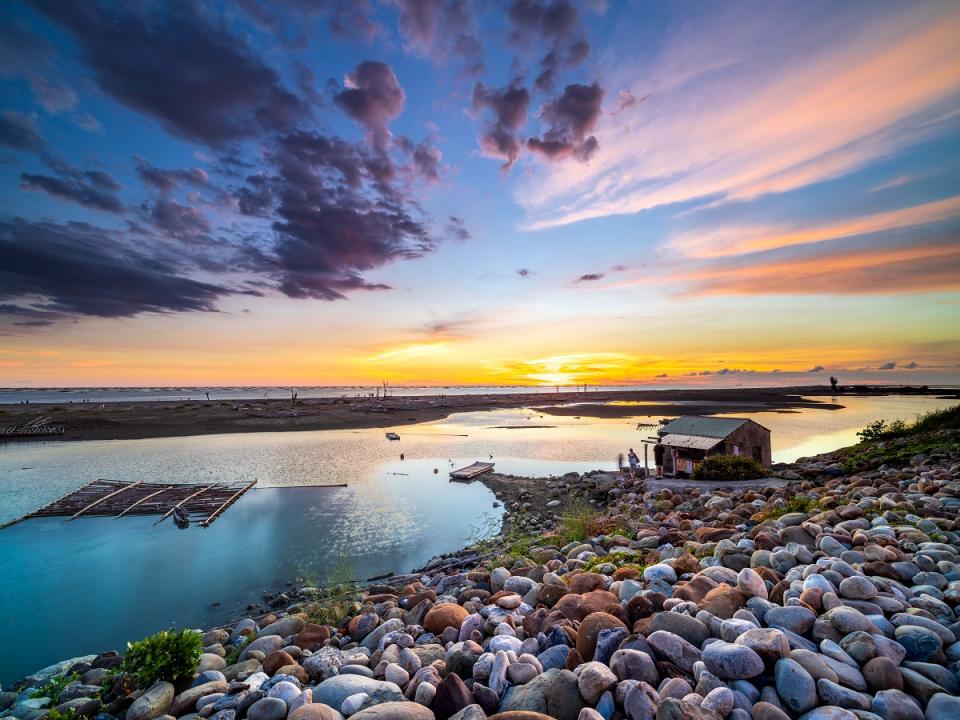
(689, 439)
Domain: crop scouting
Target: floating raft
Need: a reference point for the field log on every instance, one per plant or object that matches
(471, 471)
(204, 503)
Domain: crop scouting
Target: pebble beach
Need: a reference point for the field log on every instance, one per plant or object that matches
(828, 592)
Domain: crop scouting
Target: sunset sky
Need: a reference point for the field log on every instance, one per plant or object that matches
(511, 192)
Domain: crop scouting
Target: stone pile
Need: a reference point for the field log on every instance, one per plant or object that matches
(713, 605)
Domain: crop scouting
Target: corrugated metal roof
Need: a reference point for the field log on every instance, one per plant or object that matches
(713, 427)
(696, 442)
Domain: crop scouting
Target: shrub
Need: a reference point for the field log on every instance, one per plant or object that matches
(882, 430)
(726, 468)
(934, 420)
(54, 687)
(168, 655)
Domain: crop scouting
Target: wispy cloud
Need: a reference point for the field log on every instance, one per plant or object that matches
(737, 239)
(923, 268)
(802, 107)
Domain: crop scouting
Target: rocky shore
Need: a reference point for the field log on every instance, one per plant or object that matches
(829, 593)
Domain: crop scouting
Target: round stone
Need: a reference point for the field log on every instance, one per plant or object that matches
(732, 662)
(795, 686)
(751, 584)
(858, 588)
(269, 708)
(440, 617)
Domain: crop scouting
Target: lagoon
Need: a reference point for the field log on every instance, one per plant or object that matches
(95, 583)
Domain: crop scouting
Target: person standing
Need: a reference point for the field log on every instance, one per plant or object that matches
(633, 460)
(658, 451)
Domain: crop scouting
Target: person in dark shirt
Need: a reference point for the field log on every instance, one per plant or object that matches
(658, 451)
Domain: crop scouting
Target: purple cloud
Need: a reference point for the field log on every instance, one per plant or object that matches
(555, 24)
(570, 117)
(167, 180)
(373, 97)
(509, 105)
(199, 80)
(441, 29)
(91, 188)
(180, 221)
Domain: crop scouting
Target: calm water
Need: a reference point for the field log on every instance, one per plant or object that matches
(140, 394)
(93, 584)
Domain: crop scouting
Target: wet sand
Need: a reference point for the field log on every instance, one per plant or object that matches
(130, 420)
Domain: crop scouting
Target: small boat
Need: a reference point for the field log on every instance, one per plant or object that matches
(181, 517)
(392, 436)
(471, 471)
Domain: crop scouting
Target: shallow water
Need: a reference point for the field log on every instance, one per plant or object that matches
(93, 584)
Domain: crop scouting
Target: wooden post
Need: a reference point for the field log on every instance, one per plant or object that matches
(146, 497)
(646, 452)
(226, 504)
(105, 497)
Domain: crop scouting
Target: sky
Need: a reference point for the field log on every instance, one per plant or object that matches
(535, 192)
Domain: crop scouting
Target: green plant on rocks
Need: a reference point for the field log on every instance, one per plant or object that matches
(233, 656)
(54, 687)
(335, 598)
(727, 468)
(68, 714)
(796, 504)
(168, 655)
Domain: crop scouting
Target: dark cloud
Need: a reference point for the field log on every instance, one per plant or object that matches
(509, 105)
(723, 371)
(49, 270)
(816, 369)
(524, 272)
(911, 366)
(555, 24)
(198, 79)
(19, 131)
(888, 366)
(426, 159)
(590, 277)
(570, 117)
(662, 375)
(180, 221)
(441, 29)
(256, 197)
(373, 97)
(167, 180)
(91, 188)
(340, 210)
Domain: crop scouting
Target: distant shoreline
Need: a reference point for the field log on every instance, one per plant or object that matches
(149, 419)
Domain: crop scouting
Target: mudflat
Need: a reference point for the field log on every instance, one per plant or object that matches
(129, 420)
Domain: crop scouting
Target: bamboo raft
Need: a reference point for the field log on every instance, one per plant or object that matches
(104, 498)
(471, 471)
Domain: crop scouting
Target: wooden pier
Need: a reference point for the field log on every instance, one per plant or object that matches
(471, 471)
(105, 498)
